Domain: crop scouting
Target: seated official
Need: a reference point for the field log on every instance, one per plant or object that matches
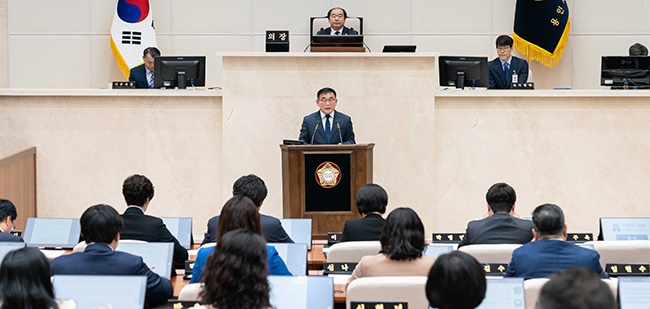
(402, 243)
(100, 227)
(327, 126)
(8, 215)
(576, 288)
(337, 16)
(503, 70)
(371, 200)
(142, 75)
(239, 212)
(456, 281)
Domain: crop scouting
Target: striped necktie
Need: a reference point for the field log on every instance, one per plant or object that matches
(151, 79)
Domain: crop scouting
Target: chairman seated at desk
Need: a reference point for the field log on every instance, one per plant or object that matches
(327, 126)
(337, 16)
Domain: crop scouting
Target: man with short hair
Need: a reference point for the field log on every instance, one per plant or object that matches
(337, 16)
(142, 74)
(100, 227)
(253, 187)
(8, 215)
(550, 252)
(327, 126)
(501, 226)
(503, 69)
(576, 288)
(138, 193)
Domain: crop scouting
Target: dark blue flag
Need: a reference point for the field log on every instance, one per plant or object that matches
(542, 29)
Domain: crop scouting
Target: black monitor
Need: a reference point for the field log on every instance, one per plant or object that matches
(319, 23)
(625, 71)
(399, 48)
(460, 71)
(179, 71)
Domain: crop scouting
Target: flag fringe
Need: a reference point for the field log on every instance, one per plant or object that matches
(124, 68)
(536, 53)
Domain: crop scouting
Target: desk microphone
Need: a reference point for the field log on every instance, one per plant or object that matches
(311, 41)
(315, 129)
(338, 126)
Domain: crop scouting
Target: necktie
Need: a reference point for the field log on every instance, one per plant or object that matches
(327, 127)
(506, 68)
(151, 79)
(337, 33)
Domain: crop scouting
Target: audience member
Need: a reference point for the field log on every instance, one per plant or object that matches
(502, 69)
(142, 75)
(550, 253)
(402, 243)
(8, 215)
(327, 126)
(371, 201)
(100, 227)
(456, 281)
(138, 193)
(253, 188)
(239, 212)
(576, 288)
(337, 16)
(638, 49)
(501, 226)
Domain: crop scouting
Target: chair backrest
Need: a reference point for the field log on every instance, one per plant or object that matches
(294, 256)
(318, 23)
(621, 252)
(190, 292)
(80, 247)
(352, 251)
(532, 287)
(501, 253)
(388, 289)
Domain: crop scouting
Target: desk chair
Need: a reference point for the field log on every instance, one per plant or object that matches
(621, 252)
(388, 289)
(190, 292)
(352, 251)
(500, 253)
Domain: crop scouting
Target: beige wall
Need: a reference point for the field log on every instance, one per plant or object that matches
(65, 44)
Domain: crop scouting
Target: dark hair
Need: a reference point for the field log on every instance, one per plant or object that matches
(25, 280)
(154, 52)
(371, 198)
(501, 197)
(7, 208)
(251, 187)
(548, 219)
(456, 280)
(345, 14)
(239, 212)
(504, 40)
(638, 49)
(236, 273)
(324, 91)
(576, 288)
(100, 223)
(402, 237)
(137, 189)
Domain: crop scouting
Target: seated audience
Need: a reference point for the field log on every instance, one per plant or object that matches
(638, 49)
(100, 227)
(456, 281)
(501, 226)
(235, 275)
(550, 253)
(253, 188)
(371, 202)
(8, 215)
(239, 212)
(402, 243)
(502, 69)
(138, 193)
(337, 16)
(576, 288)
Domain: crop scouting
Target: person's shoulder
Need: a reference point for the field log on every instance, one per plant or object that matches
(271, 250)
(8, 237)
(342, 116)
(372, 259)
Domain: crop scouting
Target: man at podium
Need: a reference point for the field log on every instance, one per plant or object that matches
(327, 126)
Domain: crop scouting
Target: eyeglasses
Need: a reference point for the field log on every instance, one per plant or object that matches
(503, 48)
(330, 100)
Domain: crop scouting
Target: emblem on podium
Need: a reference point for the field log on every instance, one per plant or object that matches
(328, 175)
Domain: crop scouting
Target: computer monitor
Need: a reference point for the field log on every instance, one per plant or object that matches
(437, 250)
(625, 71)
(181, 228)
(179, 71)
(158, 256)
(463, 71)
(399, 48)
(52, 232)
(633, 292)
(504, 293)
(6, 247)
(294, 256)
(625, 228)
(96, 291)
(299, 230)
(311, 292)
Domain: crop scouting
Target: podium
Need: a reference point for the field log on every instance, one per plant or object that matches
(320, 182)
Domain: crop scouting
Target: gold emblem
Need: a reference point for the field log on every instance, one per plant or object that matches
(450, 237)
(461, 236)
(575, 237)
(587, 237)
(328, 175)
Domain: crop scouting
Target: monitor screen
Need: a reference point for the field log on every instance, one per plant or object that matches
(52, 233)
(504, 293)
(463, 72)
(299, 230)
(127, 292)
(399, 48)
(181, 228)
(625, 228)
(311, 292)
(6, 247)
(157, 255)
(437, 250)
(633, 292)
(179, 71)
(625, 71)
(294, 256)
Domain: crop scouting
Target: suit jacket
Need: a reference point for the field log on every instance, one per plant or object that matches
(346, 135)
(10, 237)
(100, 259)
(271, 227)
(497, 79)
(540, 259)
(139, 76)
(380, 265)
(137, 225)
(364, 229)
(500, 228)
(344, 31)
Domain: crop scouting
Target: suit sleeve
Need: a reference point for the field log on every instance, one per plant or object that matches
(356, 273)
(279, 234)
(597, 267)
(304, 137)
(158, 289)
(199, 263)
(211, 234)
(180, 253)
(349, 133)
(465, 241)
(277, 267)
(523, 74)
(131, 77)
(512, 268)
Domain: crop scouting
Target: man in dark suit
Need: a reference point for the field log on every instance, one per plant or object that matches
(142, 75)
(506, 69)
(138, 192)
(327, 126)
(337, 16)
(501, 226)
(550, 253)
(8, 214)
(100, 227)
(371, 200)
(254, 188)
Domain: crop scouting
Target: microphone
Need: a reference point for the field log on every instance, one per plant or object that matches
(338, 126)
(315, 129)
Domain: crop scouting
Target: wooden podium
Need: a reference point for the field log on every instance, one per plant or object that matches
(320, 182)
